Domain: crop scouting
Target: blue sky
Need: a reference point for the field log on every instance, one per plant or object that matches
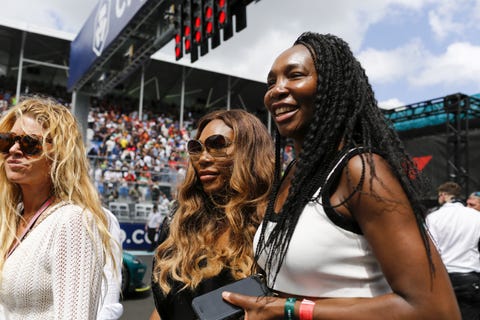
(412, 50)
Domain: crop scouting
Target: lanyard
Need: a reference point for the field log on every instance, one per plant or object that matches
(31, 223)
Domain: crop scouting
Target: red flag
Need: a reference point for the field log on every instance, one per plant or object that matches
(421, 162)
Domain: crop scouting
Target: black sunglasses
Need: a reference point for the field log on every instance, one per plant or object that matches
(215, 146)
(30, 144)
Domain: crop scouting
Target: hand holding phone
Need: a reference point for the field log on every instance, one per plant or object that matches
(211, 306)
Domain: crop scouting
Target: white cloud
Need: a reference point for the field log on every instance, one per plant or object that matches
(391, 65)
(457, 69)
(65, 14)
(459, 65)
(413, 4)
(454, 17)
(273, 27)
(476, 11)
(442, 20)
(391, 103)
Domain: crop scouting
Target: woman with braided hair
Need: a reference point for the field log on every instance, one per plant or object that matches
(343, 236)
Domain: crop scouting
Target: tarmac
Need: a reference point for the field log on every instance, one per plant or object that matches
(139, 306)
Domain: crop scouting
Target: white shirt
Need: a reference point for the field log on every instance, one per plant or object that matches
(56, 271)
(154, 220)
(455, 230)
(111, 308)
(165, 202)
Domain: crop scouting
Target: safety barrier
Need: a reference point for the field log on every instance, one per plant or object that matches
(120, 209)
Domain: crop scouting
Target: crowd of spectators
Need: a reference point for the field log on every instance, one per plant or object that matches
(133, 159)
(139, 160)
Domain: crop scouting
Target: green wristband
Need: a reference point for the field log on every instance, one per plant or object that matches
(289, 309)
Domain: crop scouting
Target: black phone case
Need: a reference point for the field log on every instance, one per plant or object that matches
(211, 306)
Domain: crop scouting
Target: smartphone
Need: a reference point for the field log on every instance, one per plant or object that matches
(211, 306)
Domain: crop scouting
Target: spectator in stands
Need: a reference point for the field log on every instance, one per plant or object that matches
(54, 233)
(152, 226)
(143, 182)
(123, 191)
(165, 173)
(473, 200)
(164, 201)
(155, 192)
(455, 230)
(343, 236)
(134, 193)
(112, 192)
(130, 176)
(220, 205)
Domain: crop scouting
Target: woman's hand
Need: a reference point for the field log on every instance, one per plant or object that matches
(264, 308)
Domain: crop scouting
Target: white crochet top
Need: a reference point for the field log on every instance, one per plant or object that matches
(56, 271)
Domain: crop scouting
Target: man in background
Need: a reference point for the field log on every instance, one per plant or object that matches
(455, 230)
(152, 226)
(473, 200)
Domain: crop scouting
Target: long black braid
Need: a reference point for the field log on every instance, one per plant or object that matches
(346, 113)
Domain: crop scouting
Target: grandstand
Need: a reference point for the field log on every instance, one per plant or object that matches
(444, 137)
(121, 138)
(44, 62)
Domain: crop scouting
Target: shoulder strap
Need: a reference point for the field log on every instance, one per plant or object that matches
(165, 226)
(344, 157)
(344, 222)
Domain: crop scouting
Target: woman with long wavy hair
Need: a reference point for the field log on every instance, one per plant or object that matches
(220, 205)
(54, 238)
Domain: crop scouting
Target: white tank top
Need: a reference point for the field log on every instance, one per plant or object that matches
(325, 260)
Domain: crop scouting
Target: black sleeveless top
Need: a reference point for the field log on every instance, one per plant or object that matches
(177, 304)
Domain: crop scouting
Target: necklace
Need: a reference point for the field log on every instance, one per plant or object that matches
(32, 221)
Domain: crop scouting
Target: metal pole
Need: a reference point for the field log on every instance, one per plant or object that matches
(46, 64)
(74, 101)
(140, 103)
(229, 89)
(182, 98)
(20, 66)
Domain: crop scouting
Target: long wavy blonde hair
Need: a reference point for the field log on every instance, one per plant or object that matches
(69, 171)
(199, 221)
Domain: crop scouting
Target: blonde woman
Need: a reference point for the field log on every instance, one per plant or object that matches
(54, 239)
(220, 205)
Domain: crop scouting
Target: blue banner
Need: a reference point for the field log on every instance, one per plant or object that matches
(134, 236)
(104, 24)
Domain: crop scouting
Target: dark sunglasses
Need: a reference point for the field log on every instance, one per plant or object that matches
(30, 144)
(215, 146)
(476, 193)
